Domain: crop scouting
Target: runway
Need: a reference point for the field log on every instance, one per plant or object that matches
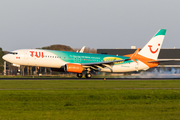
(90, 79)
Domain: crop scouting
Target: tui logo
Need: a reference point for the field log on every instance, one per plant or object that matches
(150, 48)
(38, 55)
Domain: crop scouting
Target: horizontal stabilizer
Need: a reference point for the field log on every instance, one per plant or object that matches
(160, 61)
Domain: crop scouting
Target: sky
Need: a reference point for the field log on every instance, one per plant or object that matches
(96, 24)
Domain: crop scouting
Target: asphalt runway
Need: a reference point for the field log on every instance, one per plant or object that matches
(90, 79)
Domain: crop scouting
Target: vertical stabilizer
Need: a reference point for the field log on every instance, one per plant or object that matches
(152, 48)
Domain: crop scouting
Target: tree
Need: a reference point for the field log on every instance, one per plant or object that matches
(1, 61)
(58, 47)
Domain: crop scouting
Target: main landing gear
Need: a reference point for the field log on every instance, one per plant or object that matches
(79, 75)
(87, 75)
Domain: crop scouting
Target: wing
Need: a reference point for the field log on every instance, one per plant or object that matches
(100, 65)
(108, 64)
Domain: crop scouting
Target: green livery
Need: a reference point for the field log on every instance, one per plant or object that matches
(161, 32)
(74, 57)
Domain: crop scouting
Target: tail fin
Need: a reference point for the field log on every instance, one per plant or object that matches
(152, 48)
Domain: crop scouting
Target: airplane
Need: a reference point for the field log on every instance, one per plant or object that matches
(86, 63)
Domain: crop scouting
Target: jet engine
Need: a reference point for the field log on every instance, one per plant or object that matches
(75, 68)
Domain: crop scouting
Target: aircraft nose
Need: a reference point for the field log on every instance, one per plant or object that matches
(5, 57)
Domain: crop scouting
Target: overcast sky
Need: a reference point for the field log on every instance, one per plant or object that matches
(93, 23)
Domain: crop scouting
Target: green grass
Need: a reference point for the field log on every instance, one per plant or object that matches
(89, 100)
(43, 76)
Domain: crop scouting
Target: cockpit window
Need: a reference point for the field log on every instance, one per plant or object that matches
(14, 53)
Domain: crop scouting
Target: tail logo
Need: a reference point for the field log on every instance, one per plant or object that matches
(150, 48)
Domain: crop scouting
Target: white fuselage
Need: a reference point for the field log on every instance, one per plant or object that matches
(45, 58)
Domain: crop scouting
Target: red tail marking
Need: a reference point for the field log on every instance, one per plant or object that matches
(150, 48)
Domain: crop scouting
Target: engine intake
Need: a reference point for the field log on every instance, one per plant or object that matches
(75, 68)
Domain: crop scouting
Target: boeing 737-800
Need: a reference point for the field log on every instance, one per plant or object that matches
(77, 62)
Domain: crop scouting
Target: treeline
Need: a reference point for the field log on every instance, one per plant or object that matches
(1, 61)
(58, 47)
(68, 48)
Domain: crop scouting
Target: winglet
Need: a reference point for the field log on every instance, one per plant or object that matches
(133, 57)
(82, 49)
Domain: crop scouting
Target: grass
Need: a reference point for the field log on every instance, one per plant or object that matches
(37, 76)
(90, 100)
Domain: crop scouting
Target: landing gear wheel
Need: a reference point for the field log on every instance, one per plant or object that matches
(79, 75)
(88, 75)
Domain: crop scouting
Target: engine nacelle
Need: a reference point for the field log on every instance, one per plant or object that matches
(75, 68)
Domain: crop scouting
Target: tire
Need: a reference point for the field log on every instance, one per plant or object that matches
(88, 75)
(79, 75)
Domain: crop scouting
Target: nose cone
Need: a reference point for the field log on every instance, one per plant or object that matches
(5, 57)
